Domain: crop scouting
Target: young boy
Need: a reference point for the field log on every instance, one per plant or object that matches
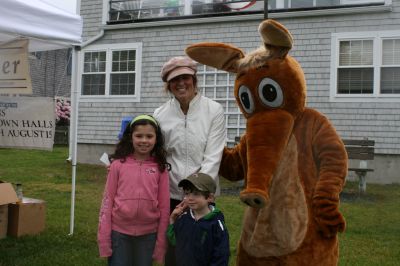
(197, 228)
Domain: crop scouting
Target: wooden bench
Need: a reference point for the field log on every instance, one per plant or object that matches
(362, 150)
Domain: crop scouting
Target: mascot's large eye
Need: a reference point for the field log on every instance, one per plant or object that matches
(246, 99)
(270, 93)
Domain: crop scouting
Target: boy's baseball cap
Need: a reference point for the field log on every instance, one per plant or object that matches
(177, 66)
(200, 181)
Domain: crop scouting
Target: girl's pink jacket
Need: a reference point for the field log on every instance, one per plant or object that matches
(135, 202)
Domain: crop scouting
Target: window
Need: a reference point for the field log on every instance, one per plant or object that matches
(111, 72)
(312, 3)
(355, 70)
(365, 65)
(319, 3)
(123, 72)
(219, 86)
(390, 70)
(127, 11)
(94, 73)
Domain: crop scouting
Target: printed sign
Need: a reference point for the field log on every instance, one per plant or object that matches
(14, 68)
(27, 122)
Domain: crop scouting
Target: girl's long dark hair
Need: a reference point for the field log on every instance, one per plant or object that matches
(124, 147)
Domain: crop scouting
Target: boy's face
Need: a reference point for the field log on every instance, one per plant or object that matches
(195, 200)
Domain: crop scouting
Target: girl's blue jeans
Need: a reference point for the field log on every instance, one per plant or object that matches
(132, 250)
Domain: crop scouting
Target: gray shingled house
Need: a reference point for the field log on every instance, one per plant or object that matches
(349, 50)
(51, 73)
(51, 77)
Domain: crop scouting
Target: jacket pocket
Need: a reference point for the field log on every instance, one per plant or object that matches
(137, 211)
(148, 211)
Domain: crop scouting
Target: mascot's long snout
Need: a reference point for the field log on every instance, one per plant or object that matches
(266, 141)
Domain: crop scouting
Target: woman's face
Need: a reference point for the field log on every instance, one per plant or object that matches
(143, 140)
(183, 88)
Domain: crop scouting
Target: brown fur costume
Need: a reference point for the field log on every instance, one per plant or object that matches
(291, 158)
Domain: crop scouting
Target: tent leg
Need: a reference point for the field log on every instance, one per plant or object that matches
(74, 133)
(72, 217)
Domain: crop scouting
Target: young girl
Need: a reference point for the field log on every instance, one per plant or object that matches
(134, 213)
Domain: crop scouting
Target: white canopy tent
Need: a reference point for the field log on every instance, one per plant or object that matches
(48, 28)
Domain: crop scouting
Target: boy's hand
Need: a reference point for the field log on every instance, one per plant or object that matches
(177, 211)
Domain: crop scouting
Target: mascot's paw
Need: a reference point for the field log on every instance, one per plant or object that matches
(327, 216)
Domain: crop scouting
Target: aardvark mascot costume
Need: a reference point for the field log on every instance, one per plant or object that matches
(292, 160)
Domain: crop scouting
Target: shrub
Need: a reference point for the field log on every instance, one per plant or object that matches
(63, 111)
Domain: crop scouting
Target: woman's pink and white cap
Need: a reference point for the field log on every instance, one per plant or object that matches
(177, 66)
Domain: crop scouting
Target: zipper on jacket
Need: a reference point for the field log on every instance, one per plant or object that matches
(187, 148)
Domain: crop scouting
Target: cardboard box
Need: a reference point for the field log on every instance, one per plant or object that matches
(7, 195)
(27, 217)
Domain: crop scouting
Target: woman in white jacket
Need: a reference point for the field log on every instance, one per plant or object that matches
(193, 126)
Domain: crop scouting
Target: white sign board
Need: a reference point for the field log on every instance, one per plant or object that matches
(15, 77)
(27, 122)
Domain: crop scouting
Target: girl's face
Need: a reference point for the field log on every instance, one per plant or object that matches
(143, 140)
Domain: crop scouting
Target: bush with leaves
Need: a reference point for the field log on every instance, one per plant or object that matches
(63, 111)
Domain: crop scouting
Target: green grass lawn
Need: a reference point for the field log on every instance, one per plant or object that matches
(373, 221)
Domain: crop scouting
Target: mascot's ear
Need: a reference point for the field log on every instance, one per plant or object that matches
(277, 39)
(219, 55)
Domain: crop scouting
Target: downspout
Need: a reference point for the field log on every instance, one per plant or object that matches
(93, 39)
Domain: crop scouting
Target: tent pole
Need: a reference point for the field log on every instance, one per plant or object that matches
(72, 216)
(73, 146)
(74, 132)
(74, 117)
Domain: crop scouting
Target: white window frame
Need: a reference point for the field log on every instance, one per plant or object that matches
(239, 124)
(109, 48)
(377, 38)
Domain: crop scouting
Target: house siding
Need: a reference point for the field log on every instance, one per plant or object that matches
(49, 73)
(99, 122)
(91, 13)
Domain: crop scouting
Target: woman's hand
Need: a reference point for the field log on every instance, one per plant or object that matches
(177, 211)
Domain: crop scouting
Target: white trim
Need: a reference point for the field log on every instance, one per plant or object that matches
(109, 99)
(106, 9)
(367, 34)
(357, 2)
(109, 48)
(377, 38)
(377, 63)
